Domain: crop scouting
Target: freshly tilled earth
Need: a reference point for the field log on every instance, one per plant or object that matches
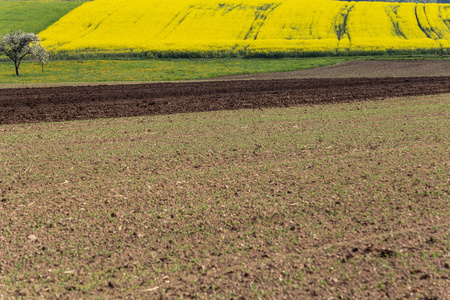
(52, 104)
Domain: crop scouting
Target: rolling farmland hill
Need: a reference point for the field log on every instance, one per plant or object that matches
(32, 16)
(251, 27)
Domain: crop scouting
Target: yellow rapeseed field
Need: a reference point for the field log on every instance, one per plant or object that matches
(250, 26)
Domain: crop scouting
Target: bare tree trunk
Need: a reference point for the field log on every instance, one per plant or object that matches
(17, 65)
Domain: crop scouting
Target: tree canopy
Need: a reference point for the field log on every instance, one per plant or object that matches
(17, 45)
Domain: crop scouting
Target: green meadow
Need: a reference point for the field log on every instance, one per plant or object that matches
(61, 71)
(32, 16)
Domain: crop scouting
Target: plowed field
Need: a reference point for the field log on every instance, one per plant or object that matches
(111, 101)
(345, 201)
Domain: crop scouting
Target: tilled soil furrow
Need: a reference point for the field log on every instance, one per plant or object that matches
(31, 105)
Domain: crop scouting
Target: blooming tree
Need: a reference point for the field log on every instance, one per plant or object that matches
(17, 45)
(40, 53)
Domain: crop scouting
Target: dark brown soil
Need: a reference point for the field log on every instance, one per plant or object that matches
(52, 104)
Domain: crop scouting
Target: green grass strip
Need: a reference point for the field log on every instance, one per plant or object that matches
(151, 70)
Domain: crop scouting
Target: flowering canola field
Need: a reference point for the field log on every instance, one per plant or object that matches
(252, 27)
